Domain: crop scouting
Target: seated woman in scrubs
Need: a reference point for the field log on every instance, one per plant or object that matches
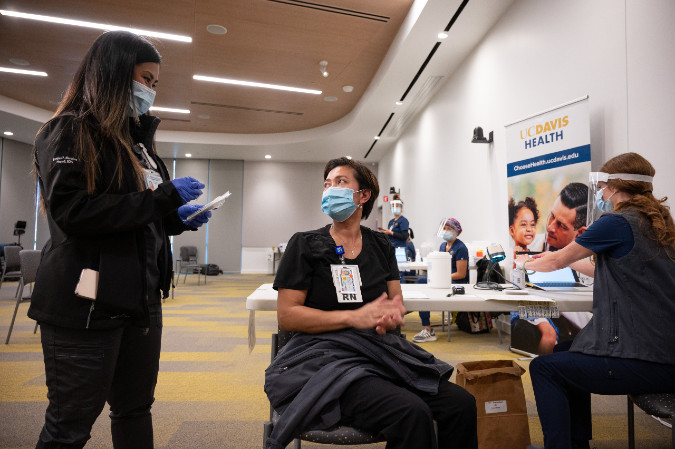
(626, 348)
(339, 292)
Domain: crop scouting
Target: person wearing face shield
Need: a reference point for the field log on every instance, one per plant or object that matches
(626, 348)
(398, 228)
(111, 207)
(339, 293)
(448, 230)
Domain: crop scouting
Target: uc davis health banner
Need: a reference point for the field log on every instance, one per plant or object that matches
(548, 160)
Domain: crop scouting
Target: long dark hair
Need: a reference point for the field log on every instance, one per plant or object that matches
(655, 213)
(98, 97)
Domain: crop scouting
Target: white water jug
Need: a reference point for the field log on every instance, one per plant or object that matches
(439, 269)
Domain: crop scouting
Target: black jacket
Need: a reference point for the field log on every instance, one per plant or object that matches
(310, 373)
(103, 231)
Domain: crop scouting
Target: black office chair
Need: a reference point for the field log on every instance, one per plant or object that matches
(340, 435)
(187, 264)
(19, 230)
(660, 405)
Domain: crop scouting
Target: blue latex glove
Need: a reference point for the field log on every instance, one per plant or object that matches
(188, 188)
(189, 209)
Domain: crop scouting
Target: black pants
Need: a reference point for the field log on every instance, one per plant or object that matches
(86, 368)
(405, 419)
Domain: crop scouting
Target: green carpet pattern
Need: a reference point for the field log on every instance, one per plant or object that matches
(210, 390)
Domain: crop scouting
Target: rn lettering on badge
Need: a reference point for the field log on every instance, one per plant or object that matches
(349, 297)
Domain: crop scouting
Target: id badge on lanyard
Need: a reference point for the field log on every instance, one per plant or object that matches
(347, 280)
(152, 179)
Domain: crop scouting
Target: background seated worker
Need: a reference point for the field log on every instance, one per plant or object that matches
(626, 348)
(398, 229)
(339, 292)
(448, 230)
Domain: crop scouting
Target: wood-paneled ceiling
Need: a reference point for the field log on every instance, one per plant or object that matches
(268, 41)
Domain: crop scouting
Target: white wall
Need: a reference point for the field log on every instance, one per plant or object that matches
(280, 199)
(17, 194)
(540, 54)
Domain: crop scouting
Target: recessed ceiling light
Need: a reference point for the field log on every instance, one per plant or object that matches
(19, 61)
(179, 111)
(331, 99)
(442, 35)
(377, 137)
(268, 156)
(8, 133)
(255, 84)
(100, 26)
(399, 103)
(348, 88)
(216, 29)
(22, 72)
(188, 154)
(204, 116)
(349, 157)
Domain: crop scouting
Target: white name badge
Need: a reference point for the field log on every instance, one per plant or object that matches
(347, 282)
(152, 179)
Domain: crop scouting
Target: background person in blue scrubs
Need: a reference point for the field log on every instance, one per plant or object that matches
(449, 230)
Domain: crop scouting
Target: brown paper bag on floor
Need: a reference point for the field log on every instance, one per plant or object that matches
(500, 399)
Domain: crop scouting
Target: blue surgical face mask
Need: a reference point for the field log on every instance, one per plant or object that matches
(396, 210)
(603, 205)
(338, 203)
(142, 97)
(448, 235)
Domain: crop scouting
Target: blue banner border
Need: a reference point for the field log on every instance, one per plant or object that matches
(550, 160)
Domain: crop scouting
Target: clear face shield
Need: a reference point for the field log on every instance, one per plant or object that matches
(597, 181)
(396, 206)
(444, 228)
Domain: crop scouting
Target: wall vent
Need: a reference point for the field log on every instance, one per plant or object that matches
(334, 10)
(244, 108)
(414, 105)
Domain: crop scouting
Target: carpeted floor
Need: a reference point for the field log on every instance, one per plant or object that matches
(210, 391)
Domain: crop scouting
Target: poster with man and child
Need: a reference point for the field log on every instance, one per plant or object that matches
(548, 161)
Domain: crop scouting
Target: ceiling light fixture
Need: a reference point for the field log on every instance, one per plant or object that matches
(178, 111)
(255, 84)
(268, 156)
(216, 29)
(348, 88)
(8, 133)
(377, 137)
(188, 154)
(442, 35)
(19, 61)
(399, 103)
(100, 26)
(22, 72)
(322, 68)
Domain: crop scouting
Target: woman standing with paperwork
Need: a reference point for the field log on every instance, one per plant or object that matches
(339, 292)
(110, 207)
(626, 348)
